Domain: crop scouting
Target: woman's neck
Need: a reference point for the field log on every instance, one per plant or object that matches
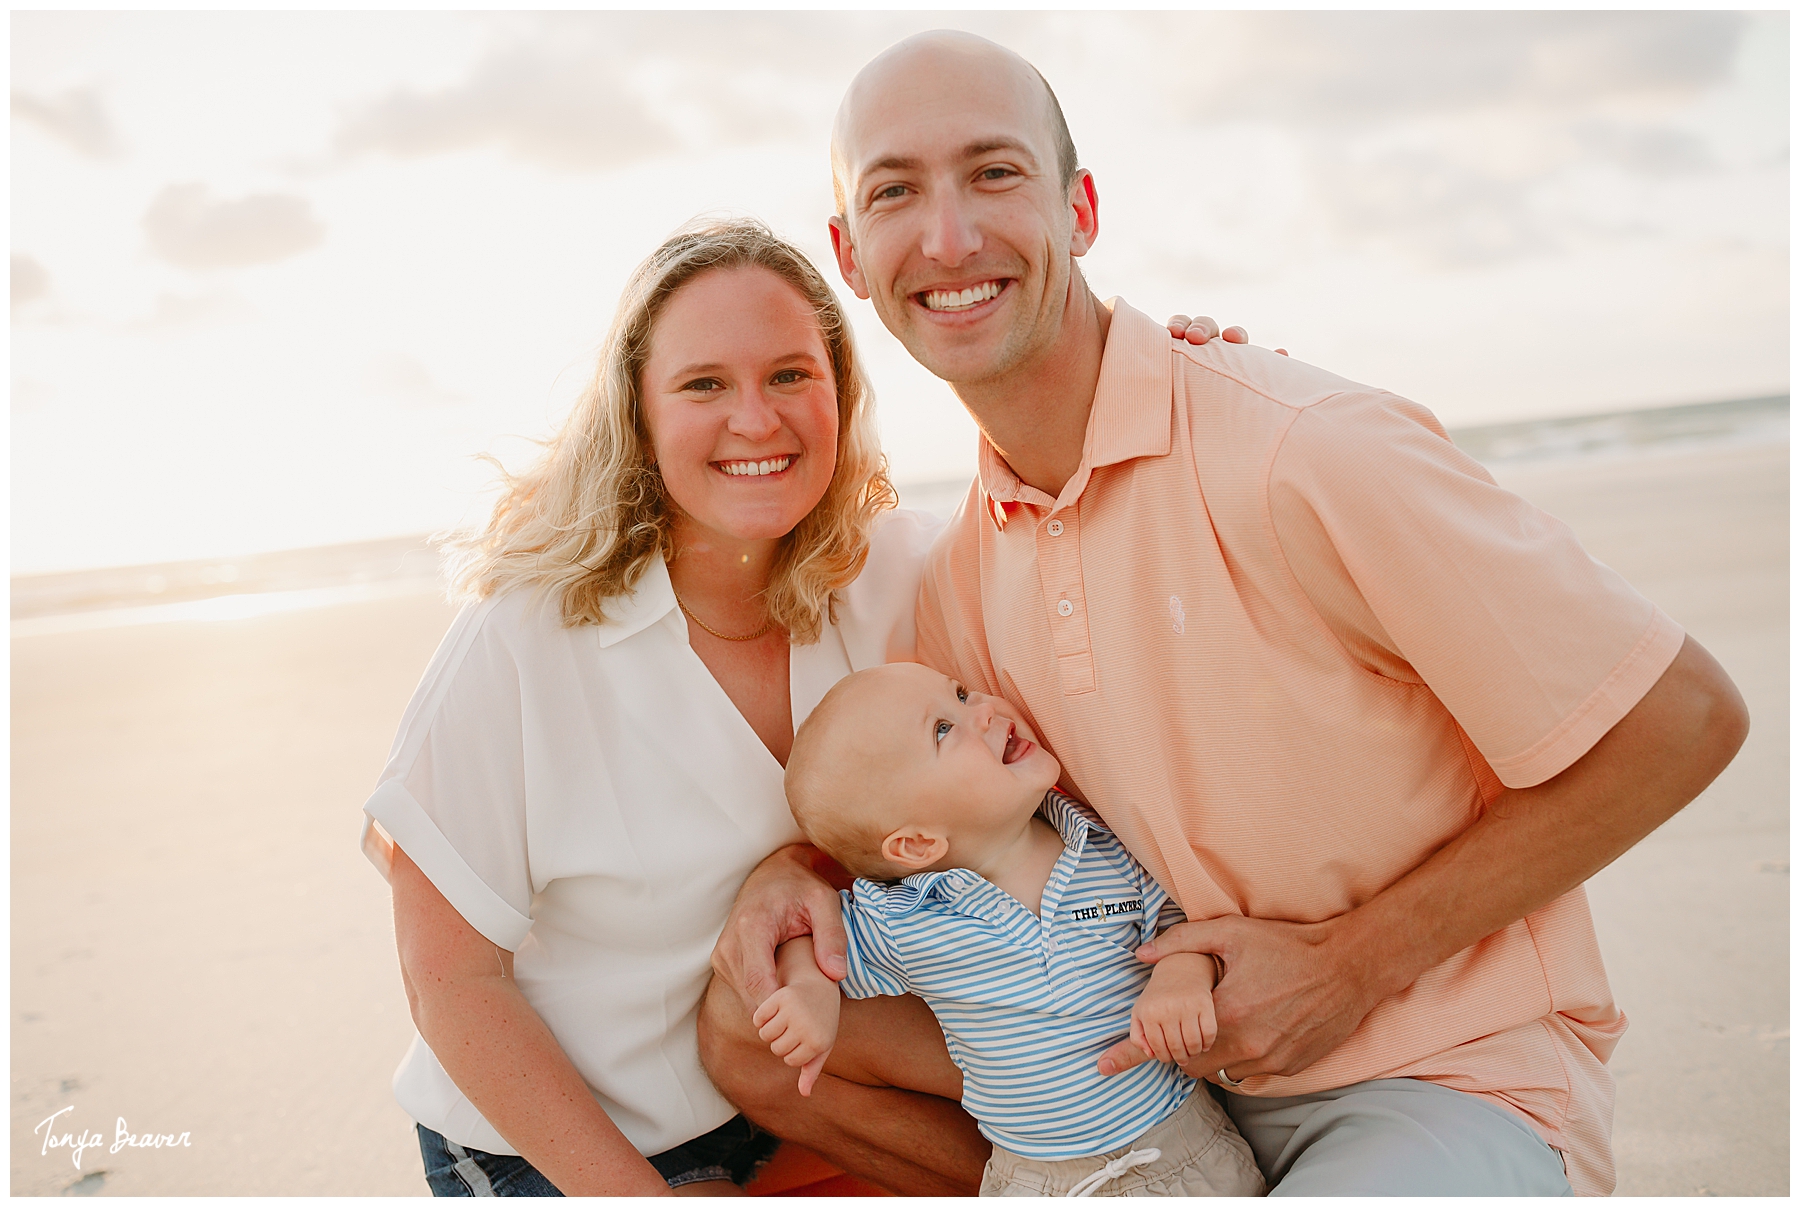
(722, 577)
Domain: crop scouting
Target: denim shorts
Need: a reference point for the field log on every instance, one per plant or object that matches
(732, 1152)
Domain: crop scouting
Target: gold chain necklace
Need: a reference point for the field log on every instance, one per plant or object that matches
(767, 625)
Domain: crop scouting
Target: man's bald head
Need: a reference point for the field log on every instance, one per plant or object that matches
(943, 51)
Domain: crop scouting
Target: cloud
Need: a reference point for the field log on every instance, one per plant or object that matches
(1644, 149)
(76, 118)
(1448, 214)
(188, 228)
(177, 312)
(30, 281)
(541, 105)
(546, 101)
(1336, 69)
(600, 90)
(1460, 139)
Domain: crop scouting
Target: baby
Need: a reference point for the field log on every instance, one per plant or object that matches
(1016, 917)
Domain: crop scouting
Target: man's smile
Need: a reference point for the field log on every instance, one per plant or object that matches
(962, 299)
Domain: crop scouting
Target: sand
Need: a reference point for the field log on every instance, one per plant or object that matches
(198, 946)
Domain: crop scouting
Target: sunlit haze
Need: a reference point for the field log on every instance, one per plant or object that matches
(277, 278)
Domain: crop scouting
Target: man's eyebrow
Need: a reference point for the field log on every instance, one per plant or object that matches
(987, 146)
(974, 150)
(893, 163)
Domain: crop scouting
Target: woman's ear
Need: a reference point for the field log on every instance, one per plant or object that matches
(914, 847)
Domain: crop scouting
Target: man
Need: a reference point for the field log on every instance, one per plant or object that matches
(1372, 718)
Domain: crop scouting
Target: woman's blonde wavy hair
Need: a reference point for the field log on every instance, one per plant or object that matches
(584, 522)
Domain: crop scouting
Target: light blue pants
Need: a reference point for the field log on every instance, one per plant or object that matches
(1395, 1136)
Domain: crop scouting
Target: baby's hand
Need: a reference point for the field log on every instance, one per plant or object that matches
(799, 1022)
(1173, 1019)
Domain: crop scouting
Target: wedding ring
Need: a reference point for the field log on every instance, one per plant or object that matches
(1228, 1083)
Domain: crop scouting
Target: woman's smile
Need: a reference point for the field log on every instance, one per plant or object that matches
(765, 468)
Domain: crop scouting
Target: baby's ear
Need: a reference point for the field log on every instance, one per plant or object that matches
(914, 847)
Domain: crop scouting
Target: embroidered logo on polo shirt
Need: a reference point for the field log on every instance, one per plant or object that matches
(1106, 911)
(1177, 615)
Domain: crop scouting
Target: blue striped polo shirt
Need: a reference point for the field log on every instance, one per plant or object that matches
(1028, 1002)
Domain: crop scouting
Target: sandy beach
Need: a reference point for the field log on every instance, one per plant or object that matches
(199, 948)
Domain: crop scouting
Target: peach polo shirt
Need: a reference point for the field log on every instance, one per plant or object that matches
(1288, 641)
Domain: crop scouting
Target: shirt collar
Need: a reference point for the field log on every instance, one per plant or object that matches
(1130, 417)
(962, 889)
(1072, 819)
(629, 615)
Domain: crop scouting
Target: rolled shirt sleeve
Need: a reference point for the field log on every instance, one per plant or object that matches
(1428, 571)
(453, 793)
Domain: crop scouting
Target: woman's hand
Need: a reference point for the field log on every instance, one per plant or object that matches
(783, 899)
(1203, 329)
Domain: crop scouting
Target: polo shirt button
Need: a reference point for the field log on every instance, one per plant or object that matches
(1055, 527)
(1065, 608)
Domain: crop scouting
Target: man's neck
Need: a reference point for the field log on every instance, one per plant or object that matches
(1036, 415)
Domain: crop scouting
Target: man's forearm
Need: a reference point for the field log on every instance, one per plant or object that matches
(1291, 991)
(1532, 845)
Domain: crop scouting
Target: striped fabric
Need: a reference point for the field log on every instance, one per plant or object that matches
(1029, 1002)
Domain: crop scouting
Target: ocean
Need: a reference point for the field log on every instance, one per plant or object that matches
(233, 588)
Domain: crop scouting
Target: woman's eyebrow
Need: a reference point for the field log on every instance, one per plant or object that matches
(685, 370)
(715, 367)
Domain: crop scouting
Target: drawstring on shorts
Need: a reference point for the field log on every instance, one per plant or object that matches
(1117, 1167)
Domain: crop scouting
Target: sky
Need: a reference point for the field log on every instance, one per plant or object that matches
(278, 278)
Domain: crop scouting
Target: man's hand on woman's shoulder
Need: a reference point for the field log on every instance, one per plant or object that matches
(1203, 330)
(782, 899)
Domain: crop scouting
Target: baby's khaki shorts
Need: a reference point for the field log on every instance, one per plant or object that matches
(1202, 1154)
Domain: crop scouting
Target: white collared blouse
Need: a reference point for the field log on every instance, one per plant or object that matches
(591, 800)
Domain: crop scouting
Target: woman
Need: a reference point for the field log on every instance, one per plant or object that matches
(593, 761)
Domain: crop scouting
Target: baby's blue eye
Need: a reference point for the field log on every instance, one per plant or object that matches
(962, 693)
(941, 732)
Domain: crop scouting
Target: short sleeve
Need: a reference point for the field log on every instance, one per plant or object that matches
(453, 793)
(875, 967)
(1427, 571)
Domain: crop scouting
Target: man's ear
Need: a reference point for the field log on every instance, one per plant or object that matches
(845, 252)
(914, 847)
(1085, 201)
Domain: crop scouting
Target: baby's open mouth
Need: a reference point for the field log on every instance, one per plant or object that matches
(1016, 748)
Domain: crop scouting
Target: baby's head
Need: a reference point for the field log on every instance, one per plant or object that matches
(901, 770)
